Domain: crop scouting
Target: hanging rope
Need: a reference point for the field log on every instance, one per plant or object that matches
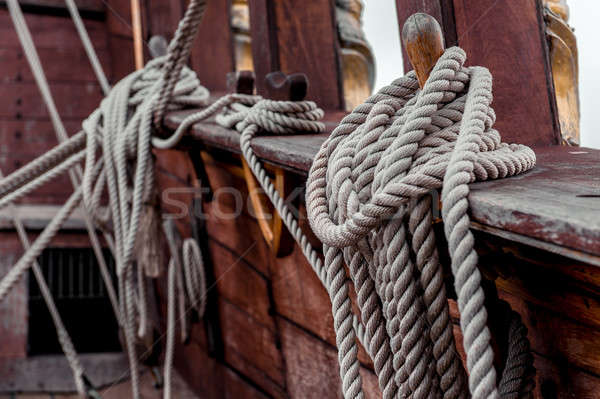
(190, 264)
(367, 200)
(121, 131)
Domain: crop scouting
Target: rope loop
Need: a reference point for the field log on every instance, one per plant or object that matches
(369, 200)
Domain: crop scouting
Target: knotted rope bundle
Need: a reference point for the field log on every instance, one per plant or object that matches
(367, 200)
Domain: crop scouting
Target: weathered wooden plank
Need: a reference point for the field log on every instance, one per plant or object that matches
(298, 295)
(251, 348)
(563, 381)
(558, 338)
(66, 63)
(230, 211)
(312, 366)
(508, 38)
(292, 152)
(52, 372)
(556, 202)
(13, 309)
(73, 100)
(298, 39)
(210, 379)
(241, 285)
(36, 217)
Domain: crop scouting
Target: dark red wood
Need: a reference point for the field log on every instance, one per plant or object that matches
(282, 87)
(212, 54)
(441, 10)
(16, 69)
(96, 6)
(557, 202)
(508, 38)
(241, 82)
(294, 38)
(50, 32)
(74, 100)
(163, 16)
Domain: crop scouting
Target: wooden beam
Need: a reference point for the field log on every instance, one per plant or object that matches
(212, 54)
(507, 38)
(293, 39)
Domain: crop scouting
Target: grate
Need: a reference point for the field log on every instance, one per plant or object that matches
(74, 279)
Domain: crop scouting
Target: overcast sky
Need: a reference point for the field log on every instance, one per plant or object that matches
(381, 28)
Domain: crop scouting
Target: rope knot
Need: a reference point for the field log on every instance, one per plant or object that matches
(367, 201)
(285, 117)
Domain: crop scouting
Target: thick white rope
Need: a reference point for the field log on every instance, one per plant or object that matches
(399, 130)
(396, 143)
(367, 200)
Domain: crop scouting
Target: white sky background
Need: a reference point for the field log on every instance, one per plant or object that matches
(381, 29)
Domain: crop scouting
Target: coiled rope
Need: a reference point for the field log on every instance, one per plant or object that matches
(367, 200)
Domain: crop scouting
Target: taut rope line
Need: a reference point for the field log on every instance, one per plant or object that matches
(121, 128)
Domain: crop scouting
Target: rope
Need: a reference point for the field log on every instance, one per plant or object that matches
(367, 200)
(88, 46)
(36, 67)
(190, 263)
(62, 334)
(120, 129)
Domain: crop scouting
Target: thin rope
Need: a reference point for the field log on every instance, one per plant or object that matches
(88, 46)
(63, 336)
(190, 263)
(36, 67)
(121, 126)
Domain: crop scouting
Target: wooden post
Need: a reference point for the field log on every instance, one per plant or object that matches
(423, 41)
(136, 26)
(441, 10)
(293, 38)
(507, 38)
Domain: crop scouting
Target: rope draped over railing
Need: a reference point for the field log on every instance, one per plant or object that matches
(367, 200)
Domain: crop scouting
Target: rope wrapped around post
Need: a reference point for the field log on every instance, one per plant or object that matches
(368, 201)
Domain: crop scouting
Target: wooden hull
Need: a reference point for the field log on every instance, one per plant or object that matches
(277, 328)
